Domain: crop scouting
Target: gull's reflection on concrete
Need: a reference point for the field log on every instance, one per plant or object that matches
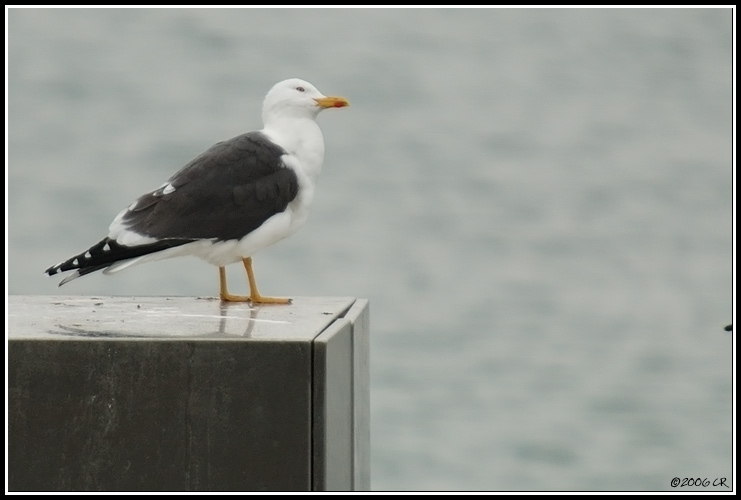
(224, 308)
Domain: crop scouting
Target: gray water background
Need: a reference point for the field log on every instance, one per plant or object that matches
(538, 204)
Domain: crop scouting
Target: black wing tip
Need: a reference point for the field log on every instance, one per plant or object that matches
(106, 253)
(83, 263)
(729, 328)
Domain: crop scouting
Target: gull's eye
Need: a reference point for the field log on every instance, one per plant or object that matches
(301, 89)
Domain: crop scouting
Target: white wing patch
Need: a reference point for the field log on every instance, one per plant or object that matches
(120, 232)
(164, 189)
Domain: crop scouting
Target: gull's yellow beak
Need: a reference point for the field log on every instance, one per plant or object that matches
(332, 102)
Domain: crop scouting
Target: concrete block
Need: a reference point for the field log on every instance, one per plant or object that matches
(187, 394)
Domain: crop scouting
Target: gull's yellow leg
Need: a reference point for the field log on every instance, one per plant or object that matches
(224, 294)
(255, 296)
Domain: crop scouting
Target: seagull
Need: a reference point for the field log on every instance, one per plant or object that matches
(238, 197)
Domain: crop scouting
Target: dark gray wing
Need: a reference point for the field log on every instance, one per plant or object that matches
(225, 193)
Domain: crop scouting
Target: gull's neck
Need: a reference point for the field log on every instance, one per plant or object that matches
(301, 138)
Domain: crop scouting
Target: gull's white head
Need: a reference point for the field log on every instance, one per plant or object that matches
(296, 98)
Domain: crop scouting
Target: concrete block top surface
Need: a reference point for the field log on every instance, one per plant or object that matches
(163, 318)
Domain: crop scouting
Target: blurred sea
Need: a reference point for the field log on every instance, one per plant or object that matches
(538, 204)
